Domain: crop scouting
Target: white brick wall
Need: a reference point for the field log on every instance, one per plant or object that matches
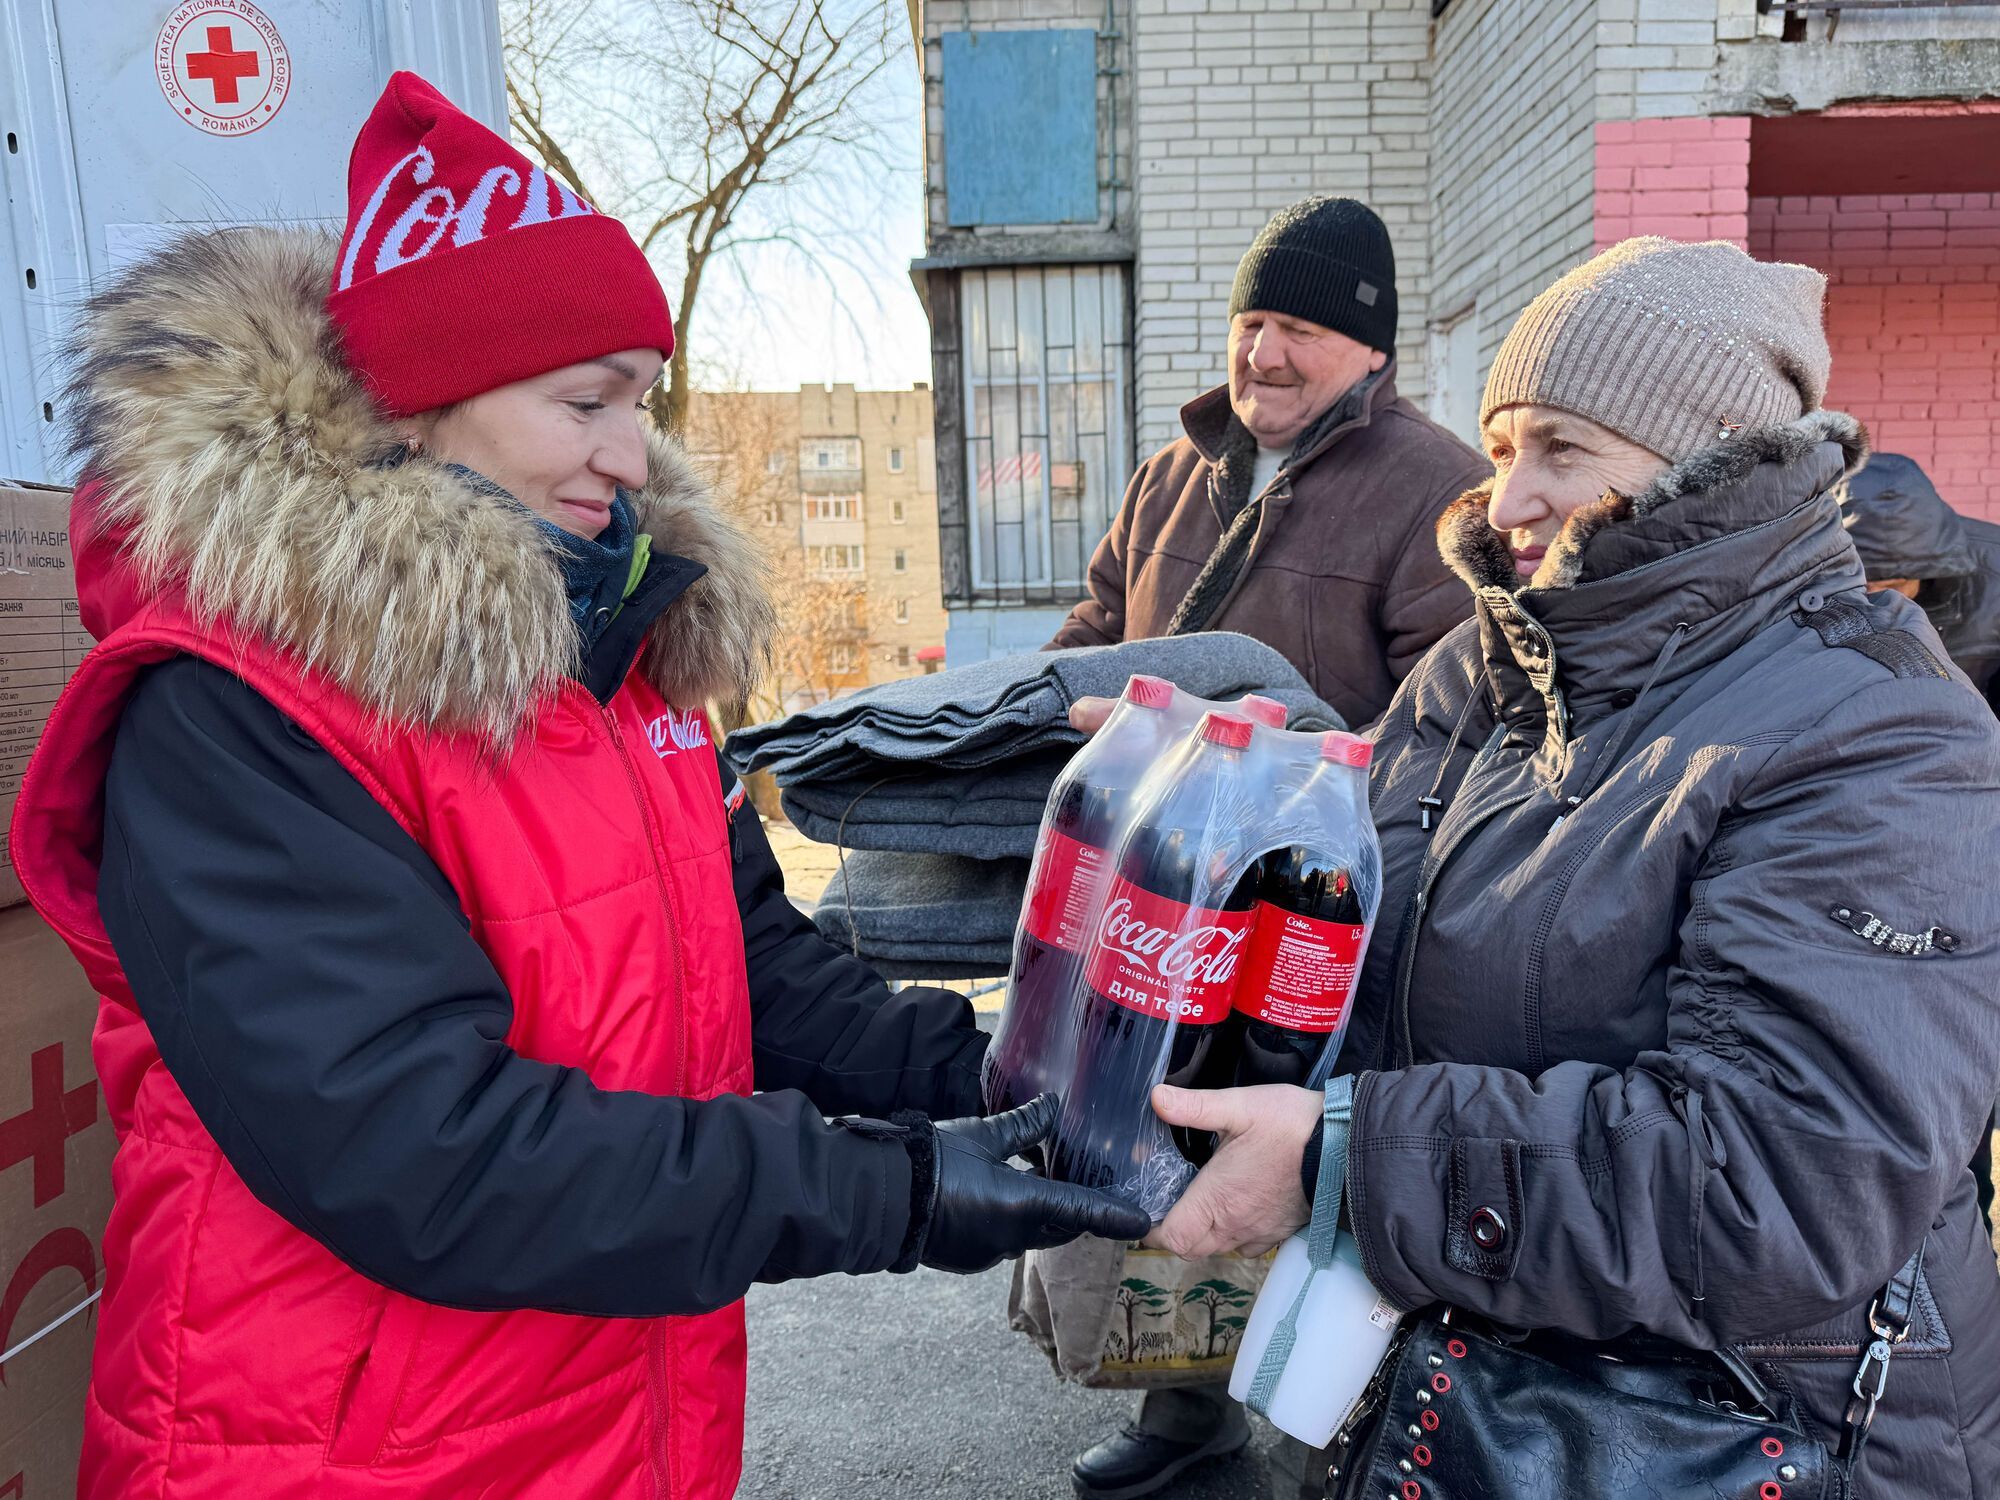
(1511, 132)
(1471, 136)
(1244, 106)
(1655, 58)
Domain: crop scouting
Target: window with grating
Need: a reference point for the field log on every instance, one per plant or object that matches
(1048, 359)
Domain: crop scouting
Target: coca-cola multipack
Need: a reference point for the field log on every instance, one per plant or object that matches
(1034, 1043)
(1197, 912)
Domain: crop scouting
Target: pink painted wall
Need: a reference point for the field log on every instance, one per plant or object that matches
(1913, 315)
(1687, 179)
(1913, 285)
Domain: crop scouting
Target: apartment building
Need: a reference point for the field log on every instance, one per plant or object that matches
(1095, 168)
(840, 485)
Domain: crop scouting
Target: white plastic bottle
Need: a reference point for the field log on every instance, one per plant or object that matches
(1327, 1329)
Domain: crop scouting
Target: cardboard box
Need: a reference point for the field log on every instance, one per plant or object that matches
(41, 643)
(55, 1191)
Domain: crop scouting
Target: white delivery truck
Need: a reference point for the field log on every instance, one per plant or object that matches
(124, 120)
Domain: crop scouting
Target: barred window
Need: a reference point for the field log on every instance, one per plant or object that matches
(1047, 367)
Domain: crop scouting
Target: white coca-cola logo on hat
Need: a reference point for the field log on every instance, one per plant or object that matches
(428, 212)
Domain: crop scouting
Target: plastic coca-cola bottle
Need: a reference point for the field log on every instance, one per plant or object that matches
(1310, 929)
(1032, 1043)
(1160, 969)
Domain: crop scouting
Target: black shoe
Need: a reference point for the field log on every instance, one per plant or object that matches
(1137, 1462)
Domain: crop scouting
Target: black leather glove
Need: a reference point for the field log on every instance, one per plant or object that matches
(983, 1211)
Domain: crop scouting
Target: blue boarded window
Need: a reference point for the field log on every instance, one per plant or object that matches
(1020, 127)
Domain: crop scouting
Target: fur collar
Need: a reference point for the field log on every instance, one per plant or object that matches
(1230, 475)
(241, 462)
(1220, 436)
(1479, 555)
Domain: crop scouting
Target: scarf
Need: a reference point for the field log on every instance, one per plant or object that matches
(599, 572)
(1244, 513)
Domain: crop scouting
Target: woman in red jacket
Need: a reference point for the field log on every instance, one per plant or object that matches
(438, 962)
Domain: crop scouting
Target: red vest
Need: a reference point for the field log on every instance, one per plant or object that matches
(235, 1355)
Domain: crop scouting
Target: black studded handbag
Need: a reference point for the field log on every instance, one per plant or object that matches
(1461, 1413)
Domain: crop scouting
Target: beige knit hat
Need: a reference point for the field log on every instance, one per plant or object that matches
(1673, 346)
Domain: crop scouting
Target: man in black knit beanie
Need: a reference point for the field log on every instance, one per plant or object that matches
(1298, 508)
(1326, 261)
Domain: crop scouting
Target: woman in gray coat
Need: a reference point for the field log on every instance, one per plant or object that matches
(1684, 1011)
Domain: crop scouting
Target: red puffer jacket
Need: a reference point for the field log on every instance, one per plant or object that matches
(240, 516)
(226, 1332)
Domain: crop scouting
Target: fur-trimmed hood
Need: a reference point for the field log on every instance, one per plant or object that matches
(229, 453)
(1684, 570)
(1718, 474)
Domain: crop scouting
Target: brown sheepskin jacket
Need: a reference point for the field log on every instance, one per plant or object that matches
(1338, 567)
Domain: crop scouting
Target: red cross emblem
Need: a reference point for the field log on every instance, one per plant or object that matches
(222, 65)
(52, 1117)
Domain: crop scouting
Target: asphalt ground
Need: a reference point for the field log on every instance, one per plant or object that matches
(914, 1388)
(885, 1387)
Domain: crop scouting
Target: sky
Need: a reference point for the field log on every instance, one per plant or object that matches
(773, 322)
(845, 312)
(826, 295)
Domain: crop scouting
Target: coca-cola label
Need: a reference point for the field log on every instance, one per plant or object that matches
(1298, 972)
(1068, 875)
(1165, 959)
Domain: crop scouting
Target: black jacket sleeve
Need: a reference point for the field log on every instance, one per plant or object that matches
(314, 990)
(826, 1024)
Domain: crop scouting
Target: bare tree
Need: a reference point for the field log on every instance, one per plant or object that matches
(693, 116)
(823, 630)
(745, 448)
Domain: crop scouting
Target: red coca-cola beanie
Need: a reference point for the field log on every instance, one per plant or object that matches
(465, 268)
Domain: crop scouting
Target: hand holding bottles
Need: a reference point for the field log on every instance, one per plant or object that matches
(1249, 1197)
(1087, 715)
(984, 1211)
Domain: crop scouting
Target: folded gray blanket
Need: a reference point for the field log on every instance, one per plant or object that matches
(961, 762)
(998, 710)
(925, 916)
(990, 812)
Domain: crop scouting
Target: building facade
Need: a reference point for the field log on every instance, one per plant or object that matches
(839, 485)
(1095, 168)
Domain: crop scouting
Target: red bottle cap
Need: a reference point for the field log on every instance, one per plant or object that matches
(1347, 750)
(1266, 711)
(1149, 692)
(1226, 729)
